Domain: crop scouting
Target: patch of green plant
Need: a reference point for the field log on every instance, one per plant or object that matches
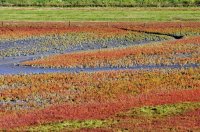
(162, 110)
(100, 14)
(71, 125)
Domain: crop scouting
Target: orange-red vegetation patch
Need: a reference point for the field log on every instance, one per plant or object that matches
(184, 122)
(101, 86)
(137, 55)
(95, 110)
(20, 32)
(28, 29)
(178, 28)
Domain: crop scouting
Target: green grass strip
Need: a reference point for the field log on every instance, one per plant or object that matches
(99, 14)
(70, 125)
(162, 110)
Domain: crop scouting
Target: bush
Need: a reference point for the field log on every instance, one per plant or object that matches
(119, 3)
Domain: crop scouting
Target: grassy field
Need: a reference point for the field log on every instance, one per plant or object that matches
(99, 14)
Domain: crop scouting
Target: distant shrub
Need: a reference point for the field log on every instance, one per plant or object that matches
(101, 3)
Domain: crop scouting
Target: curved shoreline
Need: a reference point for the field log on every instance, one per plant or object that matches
(11, 69)
(11, 65)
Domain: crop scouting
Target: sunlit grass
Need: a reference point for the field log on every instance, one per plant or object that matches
(99, 14)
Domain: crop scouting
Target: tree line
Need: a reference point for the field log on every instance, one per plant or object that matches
(101, 3)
